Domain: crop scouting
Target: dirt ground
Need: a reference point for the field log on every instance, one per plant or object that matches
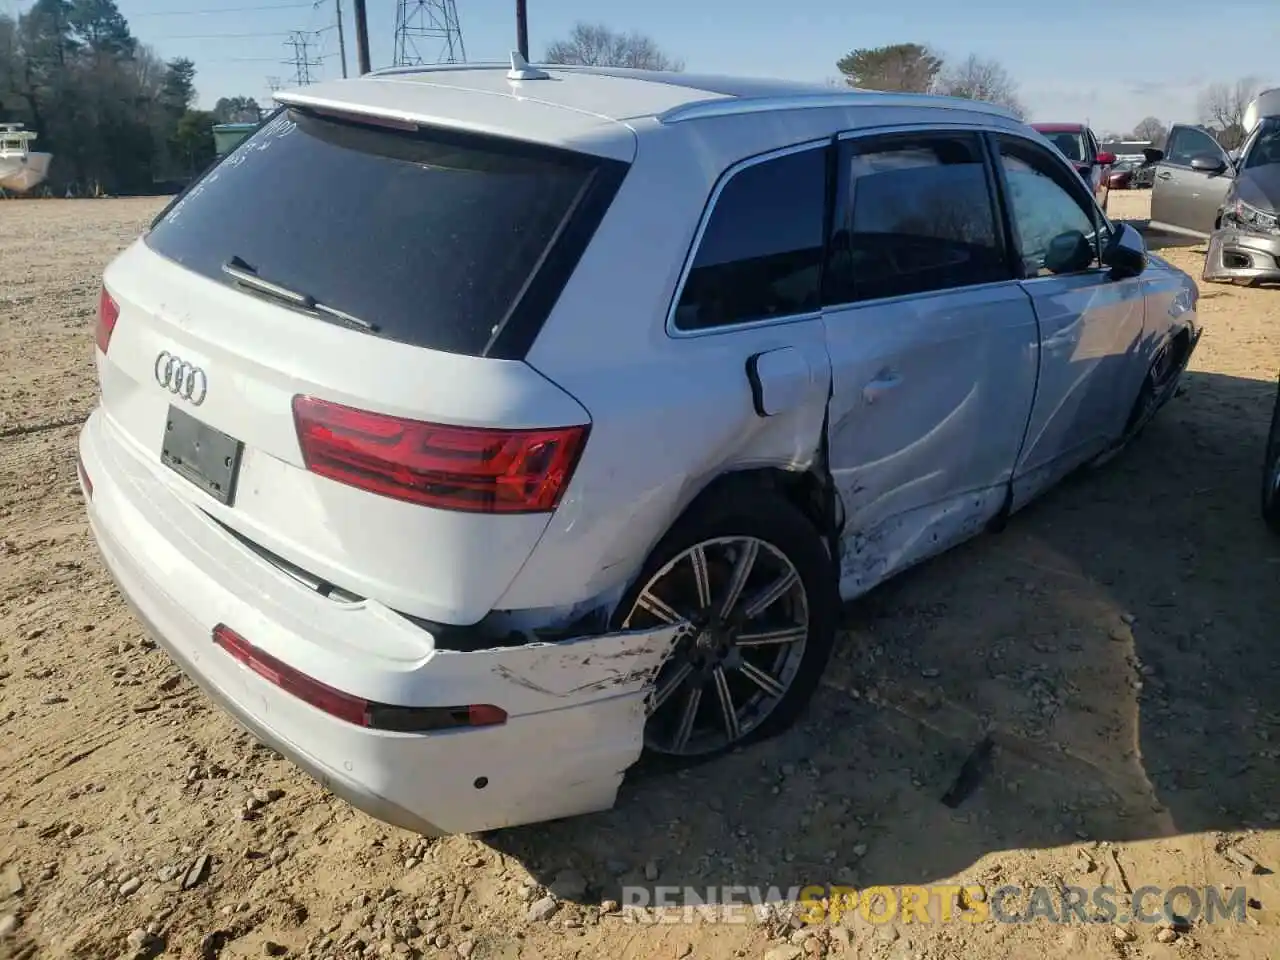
(1118, 639)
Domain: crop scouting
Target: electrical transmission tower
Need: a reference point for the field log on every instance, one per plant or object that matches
(301, 61)
(427, 31)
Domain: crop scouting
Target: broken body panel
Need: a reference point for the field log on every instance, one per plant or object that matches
(1202, 191)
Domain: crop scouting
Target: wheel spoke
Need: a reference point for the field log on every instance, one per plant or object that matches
(764, 638)
(664, 692)
(727, 710)
(741, 571)
(761, 602)
(701, 576)
(659, 608)
(766, 682)
(690, 714)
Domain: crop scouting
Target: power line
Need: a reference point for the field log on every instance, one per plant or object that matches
(217, 10)
(302, 61)
(222, 36)
(419, 23)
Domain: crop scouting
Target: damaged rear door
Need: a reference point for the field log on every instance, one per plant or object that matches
(932, 345)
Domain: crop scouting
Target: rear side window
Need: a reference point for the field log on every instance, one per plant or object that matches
(760, 256)
(913, 215)
(435, 237)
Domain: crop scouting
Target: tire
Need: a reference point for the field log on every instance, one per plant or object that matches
(1271, 471)
(1161, 379)
(784, 546)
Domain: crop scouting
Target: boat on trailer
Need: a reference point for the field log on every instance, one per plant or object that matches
(21, 168)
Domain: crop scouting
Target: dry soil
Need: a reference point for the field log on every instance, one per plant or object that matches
(1118, 639)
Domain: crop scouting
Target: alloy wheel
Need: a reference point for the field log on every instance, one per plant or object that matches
(746, 624)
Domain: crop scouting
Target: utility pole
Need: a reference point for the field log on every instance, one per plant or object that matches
(522, 29)
(342, 39)
(362, 37)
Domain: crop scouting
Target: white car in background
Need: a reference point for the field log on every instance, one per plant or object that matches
(468, 430)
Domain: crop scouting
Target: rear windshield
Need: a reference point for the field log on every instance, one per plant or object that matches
(433, 236)
(1070, 144)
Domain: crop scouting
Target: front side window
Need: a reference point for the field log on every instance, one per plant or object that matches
(913, 214)
(1045, 208)
(760, 256)
(1188, 143)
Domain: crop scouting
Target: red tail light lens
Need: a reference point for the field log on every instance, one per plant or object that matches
(452, 468)
(362, 713)
(108, 314)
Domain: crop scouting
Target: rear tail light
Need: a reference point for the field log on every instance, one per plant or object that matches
(108, 314)
(477, 470)
(362, 713)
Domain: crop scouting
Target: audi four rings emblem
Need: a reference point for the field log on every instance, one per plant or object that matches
(181, 378)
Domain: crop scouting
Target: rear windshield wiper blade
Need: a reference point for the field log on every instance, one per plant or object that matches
(245, 274)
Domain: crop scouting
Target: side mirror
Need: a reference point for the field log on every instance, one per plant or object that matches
(1208, 163)
(1106, 159)
(1068, 252)
(1125, 253)
(1153, 155)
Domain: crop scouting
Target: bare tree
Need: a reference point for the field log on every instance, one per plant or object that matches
(595, 45)
(1222, 107)
(976, 78)
(1150, 128)
(903, 67)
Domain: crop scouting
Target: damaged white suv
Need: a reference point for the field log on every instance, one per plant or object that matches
(466, 431)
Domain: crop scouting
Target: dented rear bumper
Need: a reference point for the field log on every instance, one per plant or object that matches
(576, 709)
(1236, 254)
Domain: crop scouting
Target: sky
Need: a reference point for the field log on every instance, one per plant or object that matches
(1107, 63)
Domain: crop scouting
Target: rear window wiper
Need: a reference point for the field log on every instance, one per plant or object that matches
(245, 274)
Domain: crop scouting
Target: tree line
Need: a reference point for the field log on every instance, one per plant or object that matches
(116, 117)
(902, 67)
(119, 119)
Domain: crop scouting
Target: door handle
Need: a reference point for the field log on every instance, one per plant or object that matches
(1165, 175)
(881, 385)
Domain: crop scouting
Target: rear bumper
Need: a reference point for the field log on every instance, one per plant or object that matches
(1240, 255)
(576, 709)
(352, 792)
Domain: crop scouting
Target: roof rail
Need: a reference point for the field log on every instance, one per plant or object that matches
(439, 68)
(732, 106)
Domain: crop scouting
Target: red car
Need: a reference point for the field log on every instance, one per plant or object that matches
(1077, 143)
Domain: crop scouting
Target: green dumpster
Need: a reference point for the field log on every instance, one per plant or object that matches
(227, 136)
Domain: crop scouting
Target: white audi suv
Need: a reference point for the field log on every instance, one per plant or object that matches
(468, 431)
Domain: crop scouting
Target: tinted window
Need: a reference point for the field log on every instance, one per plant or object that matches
(912, 215)
(433, 236)
(1071, 145)
(761, 252)
(1044, 202)
(1265, 149)
(1188, 142)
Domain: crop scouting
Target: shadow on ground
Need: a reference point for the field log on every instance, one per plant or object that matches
(1117, 638)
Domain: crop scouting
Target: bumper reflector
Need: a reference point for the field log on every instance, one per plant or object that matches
(84, 477)
(344, 706)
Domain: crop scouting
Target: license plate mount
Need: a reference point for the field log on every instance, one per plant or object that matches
(206, 457)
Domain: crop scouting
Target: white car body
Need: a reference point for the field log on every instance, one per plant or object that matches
(931, 416)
